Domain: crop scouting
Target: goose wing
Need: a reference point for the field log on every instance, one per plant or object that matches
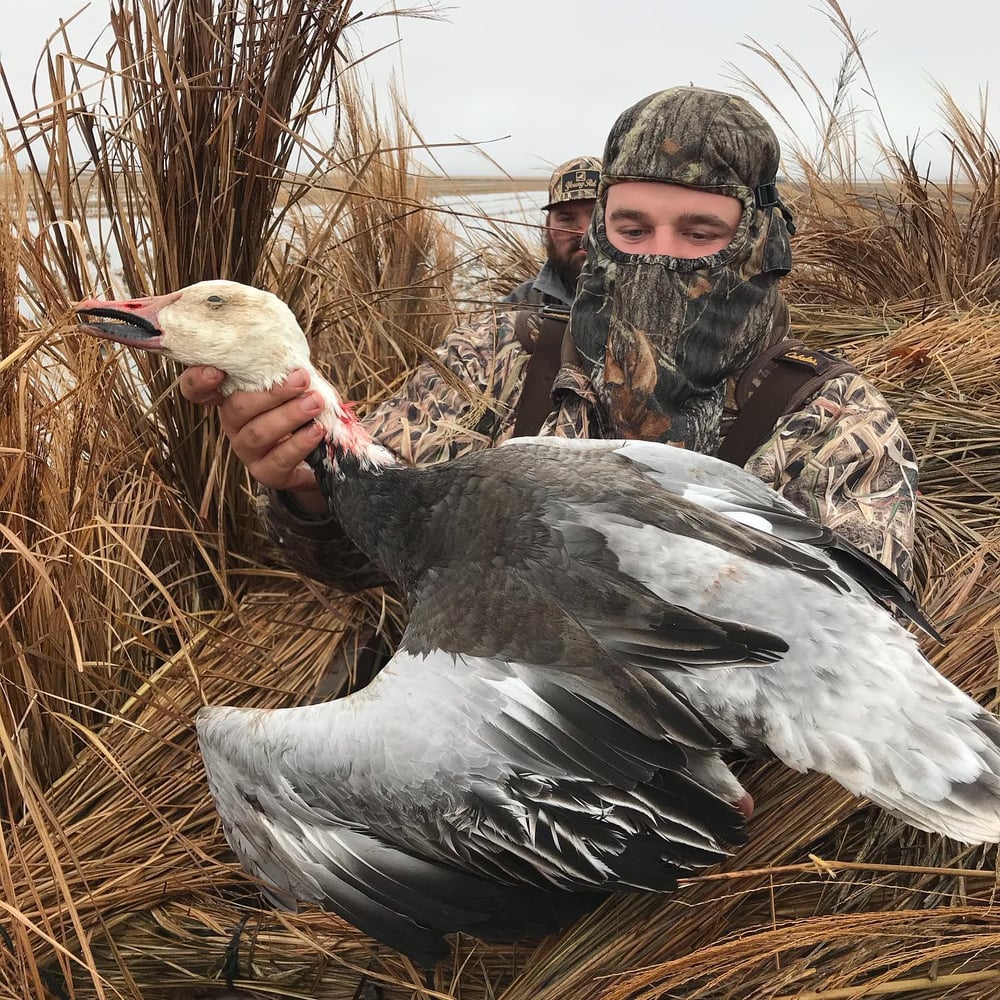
(726, 489)
(468, 793)
(851, 697)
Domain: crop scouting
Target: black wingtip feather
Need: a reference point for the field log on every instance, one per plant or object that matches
(880, 582)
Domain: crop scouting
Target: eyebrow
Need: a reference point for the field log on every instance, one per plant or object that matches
(703, 219)
(687, 219)
(627, 214)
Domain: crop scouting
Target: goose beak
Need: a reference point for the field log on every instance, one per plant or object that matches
(126, 321)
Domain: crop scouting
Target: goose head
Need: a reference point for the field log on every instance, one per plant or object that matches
(246, 332)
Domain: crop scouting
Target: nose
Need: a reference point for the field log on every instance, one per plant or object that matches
(666, 245)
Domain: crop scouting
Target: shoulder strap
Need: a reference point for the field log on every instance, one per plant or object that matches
(789, 373)
(535, 402)
(522, 329)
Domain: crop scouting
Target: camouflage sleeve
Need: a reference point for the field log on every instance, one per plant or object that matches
(314, 546)
(844, 460)
(459, 403)
(462, 403)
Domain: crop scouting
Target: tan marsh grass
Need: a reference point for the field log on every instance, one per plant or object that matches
(135, 586)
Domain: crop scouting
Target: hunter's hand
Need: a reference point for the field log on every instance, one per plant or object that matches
(270, 432)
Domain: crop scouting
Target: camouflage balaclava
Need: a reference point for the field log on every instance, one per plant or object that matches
(659, 336)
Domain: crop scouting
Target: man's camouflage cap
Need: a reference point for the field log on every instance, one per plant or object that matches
(574, 180)
(698, 138)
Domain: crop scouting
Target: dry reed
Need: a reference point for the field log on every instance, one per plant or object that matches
(135, 588)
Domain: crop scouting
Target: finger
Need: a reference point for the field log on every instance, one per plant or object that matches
(253, 440)
(201, 384)
(282, 466)
(242, 407)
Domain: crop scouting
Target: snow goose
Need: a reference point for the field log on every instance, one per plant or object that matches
(592, 624)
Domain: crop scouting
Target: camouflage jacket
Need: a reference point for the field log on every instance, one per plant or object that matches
(841, 457)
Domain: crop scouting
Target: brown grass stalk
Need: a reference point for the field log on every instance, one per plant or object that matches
(134, 586)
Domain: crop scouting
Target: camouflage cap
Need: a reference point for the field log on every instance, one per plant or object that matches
(574, 180)
(695, 137)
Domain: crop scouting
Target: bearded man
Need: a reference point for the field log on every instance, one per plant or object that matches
(572, 196)
(678, 334)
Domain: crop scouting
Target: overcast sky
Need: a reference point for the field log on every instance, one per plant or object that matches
(538, 81)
